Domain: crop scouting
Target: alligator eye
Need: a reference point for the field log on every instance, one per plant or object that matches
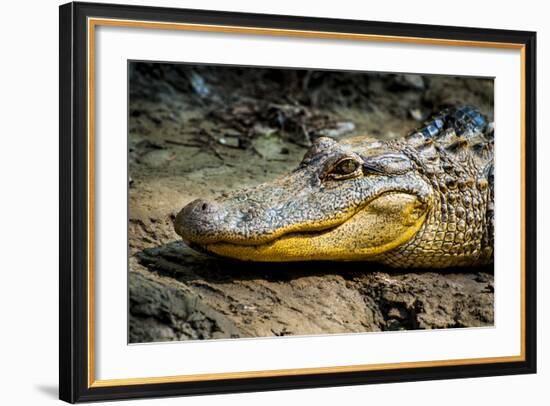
(345, 169)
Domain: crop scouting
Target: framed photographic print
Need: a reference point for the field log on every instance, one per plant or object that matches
(256, 202)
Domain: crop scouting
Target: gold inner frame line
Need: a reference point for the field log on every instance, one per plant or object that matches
(94, 22)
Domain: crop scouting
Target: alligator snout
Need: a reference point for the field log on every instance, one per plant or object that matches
(199, 221)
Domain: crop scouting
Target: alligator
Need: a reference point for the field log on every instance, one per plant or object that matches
(425, 200)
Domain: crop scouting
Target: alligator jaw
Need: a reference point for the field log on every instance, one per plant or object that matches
(385, 223)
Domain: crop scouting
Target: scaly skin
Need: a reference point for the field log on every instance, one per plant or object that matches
(422, 201)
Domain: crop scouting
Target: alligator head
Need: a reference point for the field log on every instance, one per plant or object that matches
(352, 200)
(423, 201)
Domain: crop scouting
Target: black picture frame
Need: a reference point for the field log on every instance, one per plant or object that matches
(73, 283)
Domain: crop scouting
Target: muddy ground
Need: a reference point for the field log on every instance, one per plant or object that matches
(197, 131)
